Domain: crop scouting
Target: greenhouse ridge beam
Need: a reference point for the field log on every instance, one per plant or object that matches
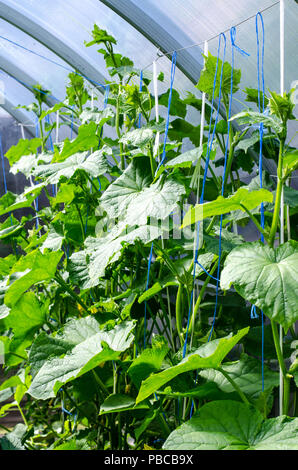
(54, 44)
(156, 34)
(19, 116)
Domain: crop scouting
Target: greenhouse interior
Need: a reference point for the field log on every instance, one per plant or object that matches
(149, 226)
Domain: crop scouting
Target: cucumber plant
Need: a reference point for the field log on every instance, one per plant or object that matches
(98, 349)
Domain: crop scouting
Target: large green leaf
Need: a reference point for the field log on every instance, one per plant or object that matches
(13, 440)
(127, 187)
(290, 161)
(210, 355)
(95, 165)
(54, 238)
(178, 106)
(23, 147)
(118, 402)
(30, 270)
(150, 360)
(138, 137)
(266, 277)
(181, 129)
(82, 347)
(9, 231)
(85, 140)
(231, 425)
(242, 198)
(132, 198)
(206, 81)
(27, 163)
(182, 267)
(87, 266)
(186, 159)
(99, 117)
(246, 373)
(26, 316)
(253, 117)
(6, 264)
(229, 240)
(11, 202)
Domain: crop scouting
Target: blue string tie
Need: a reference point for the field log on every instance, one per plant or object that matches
(261, 104)
(253, 312)
(173, 68)
(209, 147)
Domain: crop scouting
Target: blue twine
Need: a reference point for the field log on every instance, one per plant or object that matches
(52, 150)
(202, 267)
(36, 199)
(106, 97)
(140, 88)
(253, 312)
(173, 68)
(234, 46)
(261, 110)
(209, 147)
(243, 53)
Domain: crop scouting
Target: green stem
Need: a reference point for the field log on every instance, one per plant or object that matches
(68, 289)
(200, 297)
(278, 349)
(81, 221)
(231, 150)
(280, 183)
(117, 125)
(286, 377)
(100, 383)
(255, 221)
(234, 385)
(5, 428)
(22, 414)
(179, 311)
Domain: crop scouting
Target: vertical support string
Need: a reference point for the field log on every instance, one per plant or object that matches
(261, 104)
(173, 68)
(209, 148)
(156, 107)
(106, 97)
(35, 202)
(140, 89)
(202, 122)
(242, 52)
(57, 138)
(51, 148)
(282, 228)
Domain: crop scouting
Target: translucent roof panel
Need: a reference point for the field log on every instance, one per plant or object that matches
(140, 26)
(40, 70)
(71, 21)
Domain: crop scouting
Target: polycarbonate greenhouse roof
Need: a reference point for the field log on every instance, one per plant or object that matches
(43, 40)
